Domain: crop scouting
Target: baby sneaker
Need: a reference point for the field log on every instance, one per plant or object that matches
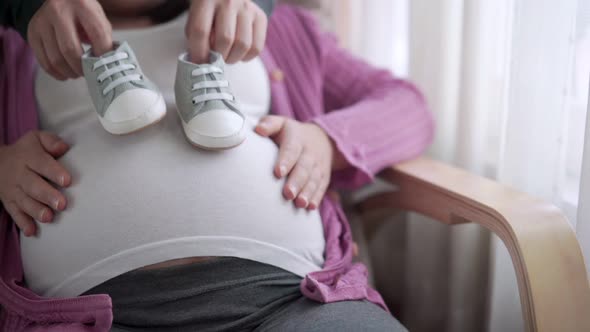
(125, 100)
(210, 115)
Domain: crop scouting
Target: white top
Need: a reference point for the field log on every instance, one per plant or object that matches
(150, 196)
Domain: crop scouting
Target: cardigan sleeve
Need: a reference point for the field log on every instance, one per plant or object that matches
(375, 119)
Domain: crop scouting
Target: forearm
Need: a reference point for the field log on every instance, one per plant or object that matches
(373, 118)
(374, 134)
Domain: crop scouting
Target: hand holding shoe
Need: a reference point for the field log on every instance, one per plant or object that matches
(55, 38)
(234, 28)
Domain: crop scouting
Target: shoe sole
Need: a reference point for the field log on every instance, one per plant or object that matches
(148, 119)
(217, 144)
(213, 148)
(214, 143)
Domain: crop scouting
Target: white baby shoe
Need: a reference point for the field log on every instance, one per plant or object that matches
(125, 100)
(208, 109)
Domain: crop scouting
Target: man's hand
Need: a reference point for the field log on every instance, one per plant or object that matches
(56, 30)
(306, 155)
(26, 169)
(234, 28)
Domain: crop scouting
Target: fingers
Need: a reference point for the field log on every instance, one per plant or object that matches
(225, 29)
(96, 26)
(198, 30)
(289, 152)
(274, 126)
(44, 165)
(54, 56)
(38, 189)
(53, 144)
(33, 208)
(305, 195)
(259, 26)
(317, 197)
(69, 45)
(36, 26)
(25, 194)
(270, 125)
(54, 35)
(21, 219)
(307, 183)
(48, 66)
(298, 177)
(235, 29)
(39, 51)
(243, 37)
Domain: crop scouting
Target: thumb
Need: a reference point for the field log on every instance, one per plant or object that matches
(270, 125)
(53, 144)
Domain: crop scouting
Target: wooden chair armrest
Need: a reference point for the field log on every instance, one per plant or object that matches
(552, 280)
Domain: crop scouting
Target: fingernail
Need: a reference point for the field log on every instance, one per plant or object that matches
(292, 191)
(282, 170)
(62, 180)
(42, 217)
(304, 199)
(56, 145)
(56, 204)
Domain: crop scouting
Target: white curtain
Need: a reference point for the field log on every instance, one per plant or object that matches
(363, 26)
(502, 78)
(583, 228)
(582, 79)
(506, 109)
(534, 126)
(516, 113)
(434, 276)
(453, 62)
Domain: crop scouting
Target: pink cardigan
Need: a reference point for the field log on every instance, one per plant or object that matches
(375, 119)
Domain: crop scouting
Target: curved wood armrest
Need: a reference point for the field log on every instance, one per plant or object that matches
(552, 280)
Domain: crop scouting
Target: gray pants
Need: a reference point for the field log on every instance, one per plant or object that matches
(230, 294)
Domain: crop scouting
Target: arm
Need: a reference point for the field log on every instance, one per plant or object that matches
(18, 13)
(374, 119)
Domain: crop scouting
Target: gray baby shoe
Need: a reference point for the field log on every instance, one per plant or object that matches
(125, 100)
(210, 115)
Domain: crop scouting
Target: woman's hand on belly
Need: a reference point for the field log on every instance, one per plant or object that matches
(24, 168)
(306, 154)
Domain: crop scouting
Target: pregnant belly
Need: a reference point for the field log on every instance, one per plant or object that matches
(154, 186)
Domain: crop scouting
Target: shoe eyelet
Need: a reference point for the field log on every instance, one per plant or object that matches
(193, 102)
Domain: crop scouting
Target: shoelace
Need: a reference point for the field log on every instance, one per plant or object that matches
(114, 70)
(210, 84)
